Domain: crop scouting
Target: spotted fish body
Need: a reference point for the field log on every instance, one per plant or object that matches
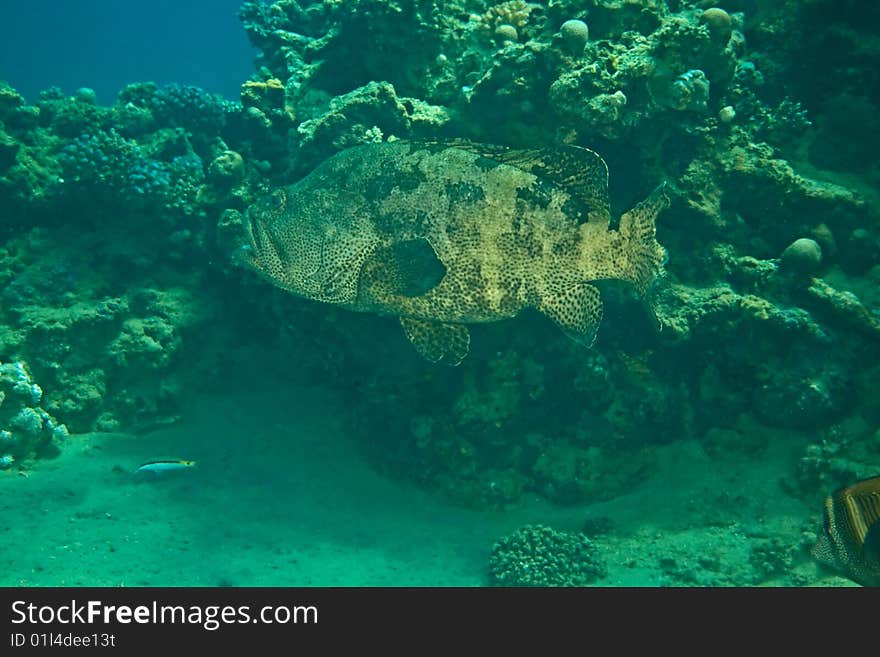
(849, 542)
(451, 233)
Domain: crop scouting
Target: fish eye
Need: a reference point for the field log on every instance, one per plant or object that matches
(277, 200)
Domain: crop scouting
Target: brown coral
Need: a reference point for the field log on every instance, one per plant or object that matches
(264, 95)
(514, 12)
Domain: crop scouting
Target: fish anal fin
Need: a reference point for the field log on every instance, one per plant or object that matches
(577, 310)
(438, 342)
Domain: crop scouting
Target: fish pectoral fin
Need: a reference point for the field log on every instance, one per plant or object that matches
(408, 268)
(577, 309)
(438, 342)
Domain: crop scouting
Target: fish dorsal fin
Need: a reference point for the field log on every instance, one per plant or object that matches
(408, 268)
(579, 171)
(862, 500)
(438, 342)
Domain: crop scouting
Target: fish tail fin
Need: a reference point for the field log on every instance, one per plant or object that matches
(638, 226)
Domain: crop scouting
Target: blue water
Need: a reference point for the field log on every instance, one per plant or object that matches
(106, 44)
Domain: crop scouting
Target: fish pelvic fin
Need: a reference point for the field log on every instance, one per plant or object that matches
(638, 226)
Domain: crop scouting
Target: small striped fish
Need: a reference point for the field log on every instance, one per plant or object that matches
(849, 542)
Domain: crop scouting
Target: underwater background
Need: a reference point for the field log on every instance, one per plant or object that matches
(327, 450)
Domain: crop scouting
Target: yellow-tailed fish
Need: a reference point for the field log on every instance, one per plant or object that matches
(165, 465)
(849, 542)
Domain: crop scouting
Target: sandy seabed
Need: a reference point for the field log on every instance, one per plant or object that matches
(281, 497)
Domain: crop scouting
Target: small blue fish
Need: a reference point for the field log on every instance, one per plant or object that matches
(165, 465)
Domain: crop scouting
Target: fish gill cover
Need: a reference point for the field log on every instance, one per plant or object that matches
(122, 291)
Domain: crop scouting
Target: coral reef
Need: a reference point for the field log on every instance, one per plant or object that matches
(536, 555)
(26, 429)
(121, 226)
(103, 204)
(92, 347)
(666, 92)
(106, 167)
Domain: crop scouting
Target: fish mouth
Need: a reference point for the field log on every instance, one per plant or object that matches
(261, 253)
(247, 251)
(258, 245)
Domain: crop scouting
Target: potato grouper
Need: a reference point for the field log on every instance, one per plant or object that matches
(443, 234)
